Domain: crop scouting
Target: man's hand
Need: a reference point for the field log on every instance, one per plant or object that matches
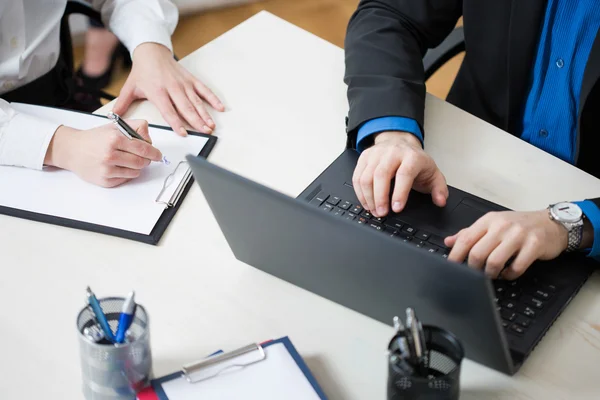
(399, 155)
(102, 156)
(177, 94)
(498, 236)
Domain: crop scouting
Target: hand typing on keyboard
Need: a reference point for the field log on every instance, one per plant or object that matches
(396, 155)
(498, 237)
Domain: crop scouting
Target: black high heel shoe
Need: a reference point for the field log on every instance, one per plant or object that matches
(102, 81)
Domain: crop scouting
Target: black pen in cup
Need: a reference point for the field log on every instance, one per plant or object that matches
(129, 132)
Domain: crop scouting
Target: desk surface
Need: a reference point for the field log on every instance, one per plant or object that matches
(285, 123)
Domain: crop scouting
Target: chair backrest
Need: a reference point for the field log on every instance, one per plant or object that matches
(453, 45)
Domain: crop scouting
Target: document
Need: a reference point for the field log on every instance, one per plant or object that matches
(132, 206)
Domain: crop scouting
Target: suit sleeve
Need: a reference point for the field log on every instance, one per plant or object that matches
(384, 47)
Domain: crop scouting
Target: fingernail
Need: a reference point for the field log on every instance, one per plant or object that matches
(183, 131)
(207, 129)
(381, 210)
(211, 122)
(397, 206)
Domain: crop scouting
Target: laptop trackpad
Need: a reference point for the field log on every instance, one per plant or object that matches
(465, 215)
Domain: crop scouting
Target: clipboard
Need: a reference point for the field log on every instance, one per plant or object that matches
(240, 361)
(172, 202)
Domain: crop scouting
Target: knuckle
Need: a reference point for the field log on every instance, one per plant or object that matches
(366, 180)
(466, 239)
(139, 163)
(518, 230)
(494, 263)
(502, 224)
(114, 140)
(535, 240)
(162, 91)
(518, 269)
(382, 172)
(408, 168)
(144, 151)
(188, 108)
(108, 158)
(105, 172)
(476, 257)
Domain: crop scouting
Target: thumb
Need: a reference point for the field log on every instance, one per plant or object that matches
(141, 127)
(439, 189)
(126, 97)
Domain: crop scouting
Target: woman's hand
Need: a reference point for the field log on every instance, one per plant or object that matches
(176, 93)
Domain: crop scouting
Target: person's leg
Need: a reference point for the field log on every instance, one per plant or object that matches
(99, 47)
(101, 52)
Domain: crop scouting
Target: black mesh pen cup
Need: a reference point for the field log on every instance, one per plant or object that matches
(109, 371)
(443, 361)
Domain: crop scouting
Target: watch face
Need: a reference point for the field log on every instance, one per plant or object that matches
(567, 212)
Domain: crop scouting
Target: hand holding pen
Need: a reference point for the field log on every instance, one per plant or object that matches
(102, 155)
(131, 133)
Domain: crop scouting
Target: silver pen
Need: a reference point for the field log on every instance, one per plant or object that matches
(413, 330)
(129, 132)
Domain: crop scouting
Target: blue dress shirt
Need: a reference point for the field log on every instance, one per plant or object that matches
(550, 115)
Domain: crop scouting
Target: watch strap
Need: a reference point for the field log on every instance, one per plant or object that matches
(575, 237)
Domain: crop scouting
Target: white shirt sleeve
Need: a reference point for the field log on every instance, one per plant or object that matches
(24, 139)
(139, 21)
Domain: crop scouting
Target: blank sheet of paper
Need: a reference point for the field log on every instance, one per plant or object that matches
(275, 378)
(61, 193)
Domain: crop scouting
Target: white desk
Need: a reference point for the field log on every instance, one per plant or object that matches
(285, 124)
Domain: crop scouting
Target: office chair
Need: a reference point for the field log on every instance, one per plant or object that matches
(453, 45)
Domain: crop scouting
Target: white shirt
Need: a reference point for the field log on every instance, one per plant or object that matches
(29, 48)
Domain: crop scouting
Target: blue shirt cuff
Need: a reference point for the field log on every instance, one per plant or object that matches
(592, 212)
(384, 124)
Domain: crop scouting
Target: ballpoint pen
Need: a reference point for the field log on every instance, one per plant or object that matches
(93, 333)
(93, 301)
(126, 317)
(128, 131)
(416, 332)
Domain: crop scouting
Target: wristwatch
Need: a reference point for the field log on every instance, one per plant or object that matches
(571, 217)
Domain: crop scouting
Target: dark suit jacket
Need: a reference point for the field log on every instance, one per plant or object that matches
(387, 40)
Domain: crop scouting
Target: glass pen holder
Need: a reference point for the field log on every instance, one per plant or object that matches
(114, 371)
(441, 378)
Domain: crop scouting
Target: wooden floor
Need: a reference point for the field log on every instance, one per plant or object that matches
(325, 18)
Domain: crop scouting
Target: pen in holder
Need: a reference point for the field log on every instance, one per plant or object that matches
(114, 371)
(440, 378)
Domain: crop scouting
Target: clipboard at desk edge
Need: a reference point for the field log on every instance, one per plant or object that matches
(161, 225)
(155, 392)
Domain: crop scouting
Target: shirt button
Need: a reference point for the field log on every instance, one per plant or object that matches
(560, 63)
(544, 133)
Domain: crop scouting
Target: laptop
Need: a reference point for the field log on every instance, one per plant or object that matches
(323, 241)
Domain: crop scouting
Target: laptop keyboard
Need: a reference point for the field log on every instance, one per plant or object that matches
(519, 302)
